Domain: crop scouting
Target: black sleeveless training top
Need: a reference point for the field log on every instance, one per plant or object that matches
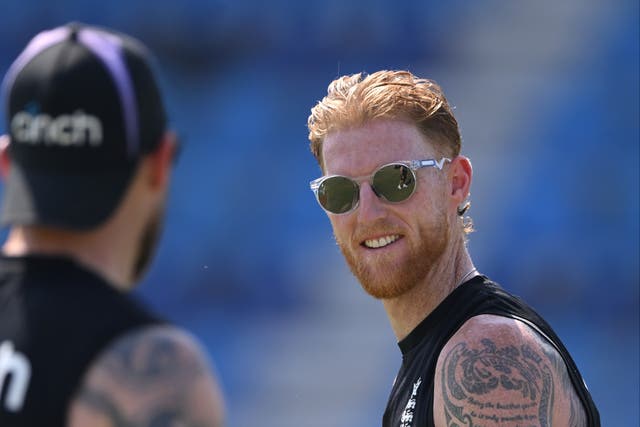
(411, 401)
(55, 318)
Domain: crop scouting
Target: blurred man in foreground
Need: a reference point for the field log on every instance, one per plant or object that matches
(87, 164)
(395, 189)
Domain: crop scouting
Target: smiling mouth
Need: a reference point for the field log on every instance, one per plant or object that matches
(380, 242)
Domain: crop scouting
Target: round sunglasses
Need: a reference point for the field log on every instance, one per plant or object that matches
(394, 182)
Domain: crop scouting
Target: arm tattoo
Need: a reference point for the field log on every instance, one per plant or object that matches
(152, 369)
(102, 403)
(472, 375)
(577, 416)
(145, 361)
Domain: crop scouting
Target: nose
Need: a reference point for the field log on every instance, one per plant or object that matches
(370, 206)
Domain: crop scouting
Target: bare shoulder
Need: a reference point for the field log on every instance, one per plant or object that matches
(499, 371)
(155, 376)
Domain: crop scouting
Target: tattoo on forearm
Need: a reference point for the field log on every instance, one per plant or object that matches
(473, 377)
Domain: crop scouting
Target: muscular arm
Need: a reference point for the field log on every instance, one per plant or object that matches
(156, 377)
(497, 371)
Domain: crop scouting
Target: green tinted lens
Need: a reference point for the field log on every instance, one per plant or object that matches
(394, 182)
(338, 194)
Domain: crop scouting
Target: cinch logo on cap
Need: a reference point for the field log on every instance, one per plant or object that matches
(66, 130)
(82, 109)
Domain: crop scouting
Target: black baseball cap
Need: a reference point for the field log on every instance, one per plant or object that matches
(82, 108)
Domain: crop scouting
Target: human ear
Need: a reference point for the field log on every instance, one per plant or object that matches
(161, 160)
(461, 174)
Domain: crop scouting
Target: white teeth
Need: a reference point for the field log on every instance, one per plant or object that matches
(381, 242)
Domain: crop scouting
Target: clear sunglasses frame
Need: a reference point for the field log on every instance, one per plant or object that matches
(413, 166)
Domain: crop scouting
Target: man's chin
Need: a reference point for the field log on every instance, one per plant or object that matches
(386, 283)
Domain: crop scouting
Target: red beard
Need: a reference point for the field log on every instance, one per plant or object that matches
(390, 276)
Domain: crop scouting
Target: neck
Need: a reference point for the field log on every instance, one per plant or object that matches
(99, 250)
(408, 310)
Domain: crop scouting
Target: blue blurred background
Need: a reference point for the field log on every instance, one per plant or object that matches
(547, 96)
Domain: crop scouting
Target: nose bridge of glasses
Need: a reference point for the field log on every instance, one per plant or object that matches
(368, 180)
(369, 200)
(364, 181)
